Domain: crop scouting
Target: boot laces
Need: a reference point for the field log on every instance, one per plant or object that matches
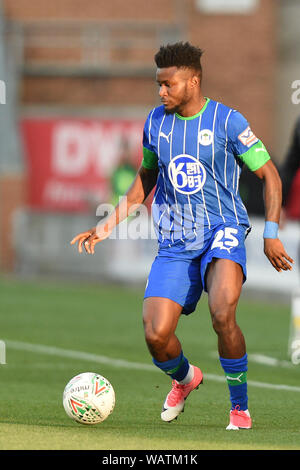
(175, 395)
(237, 411)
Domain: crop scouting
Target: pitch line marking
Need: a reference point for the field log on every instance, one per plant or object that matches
(81, 355)
(269, 361)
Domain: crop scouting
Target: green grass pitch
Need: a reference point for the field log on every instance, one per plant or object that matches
(106, 321)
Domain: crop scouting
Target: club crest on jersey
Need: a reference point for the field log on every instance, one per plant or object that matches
(247, 137)
(205, 137)
(186, 174)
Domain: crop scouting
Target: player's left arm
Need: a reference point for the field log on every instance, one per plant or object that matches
(273, 247)
(252, 152)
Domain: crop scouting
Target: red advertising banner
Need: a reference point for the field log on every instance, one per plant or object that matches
(72, 163)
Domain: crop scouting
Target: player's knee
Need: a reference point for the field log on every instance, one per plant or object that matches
(155, 342)
(155, 338)
(223, 313)
(223, 322)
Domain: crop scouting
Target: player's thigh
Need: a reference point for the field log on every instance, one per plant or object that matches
(224, 280)
(177, 279)
(160, 316)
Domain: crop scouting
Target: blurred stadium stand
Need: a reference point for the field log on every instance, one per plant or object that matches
(98, 48)
(91, 64)
(12, 168)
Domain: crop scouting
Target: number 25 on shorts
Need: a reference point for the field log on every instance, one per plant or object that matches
(225, 239)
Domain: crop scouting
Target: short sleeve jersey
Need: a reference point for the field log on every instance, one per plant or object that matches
(199, 159)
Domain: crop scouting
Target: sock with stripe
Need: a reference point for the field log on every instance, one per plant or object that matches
(236, 376)
(178, 368)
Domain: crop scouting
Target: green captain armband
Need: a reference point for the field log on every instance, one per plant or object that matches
(150, 160)
(256, 156)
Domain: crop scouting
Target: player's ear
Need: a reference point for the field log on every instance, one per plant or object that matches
(195, 81)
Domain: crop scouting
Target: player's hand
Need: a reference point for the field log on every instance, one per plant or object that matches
(90, 238)
(276, 254)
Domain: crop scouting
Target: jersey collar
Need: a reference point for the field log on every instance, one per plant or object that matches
(195, 115)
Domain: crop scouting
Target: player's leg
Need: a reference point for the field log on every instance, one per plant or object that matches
(224, 283)
(160, 318)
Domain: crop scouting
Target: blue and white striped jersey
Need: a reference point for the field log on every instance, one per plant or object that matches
(200, 159)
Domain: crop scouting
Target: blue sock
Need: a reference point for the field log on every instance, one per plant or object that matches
(236, 376)
(176, 368)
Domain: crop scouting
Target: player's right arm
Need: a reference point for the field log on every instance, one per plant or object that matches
(137, 193)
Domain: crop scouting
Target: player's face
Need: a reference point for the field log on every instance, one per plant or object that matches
(175, 87)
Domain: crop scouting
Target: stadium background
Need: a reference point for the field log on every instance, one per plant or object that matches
(79, 84)
(80, 81)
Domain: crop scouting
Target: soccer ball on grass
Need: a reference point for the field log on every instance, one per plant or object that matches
(89, 398)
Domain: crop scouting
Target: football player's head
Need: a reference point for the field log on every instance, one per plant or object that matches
(179, 74)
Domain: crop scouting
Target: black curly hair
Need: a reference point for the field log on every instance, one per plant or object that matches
(179, 55)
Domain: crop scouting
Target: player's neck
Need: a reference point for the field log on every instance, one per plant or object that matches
(192, 108)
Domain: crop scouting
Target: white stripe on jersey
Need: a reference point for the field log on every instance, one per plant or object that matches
(150, 125)
(202, 193)
(155, 196)
(237, 179)
(158, 224)
(158, 141)
(234, 208)
(235, 187)
(213, 163)
(171, 140)
(233, 177)
(163, 174)
(171, 143)
(188, 196)
(226, 143)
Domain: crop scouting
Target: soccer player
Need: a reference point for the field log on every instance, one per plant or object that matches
(193, 152)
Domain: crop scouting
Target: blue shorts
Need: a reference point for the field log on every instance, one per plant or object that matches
(181, 276)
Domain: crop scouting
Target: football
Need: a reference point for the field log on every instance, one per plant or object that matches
(89, 398)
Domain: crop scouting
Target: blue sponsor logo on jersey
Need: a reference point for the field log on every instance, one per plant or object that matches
(186, 174)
